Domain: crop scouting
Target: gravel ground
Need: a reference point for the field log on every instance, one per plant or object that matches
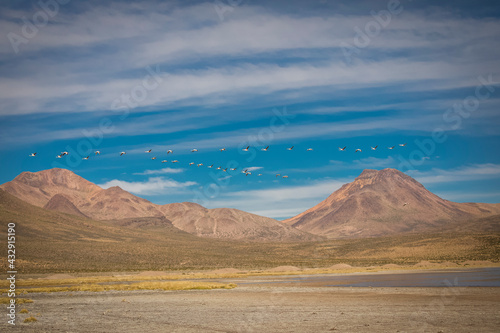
(266, 308)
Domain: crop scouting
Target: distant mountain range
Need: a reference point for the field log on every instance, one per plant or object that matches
(63, 191)
(376, 203)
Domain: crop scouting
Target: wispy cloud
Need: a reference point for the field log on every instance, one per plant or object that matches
(159, 172)
(152, 186)
(463, 173)
(281, 202)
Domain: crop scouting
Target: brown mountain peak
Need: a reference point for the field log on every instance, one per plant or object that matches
(62, 204)
(382, 202)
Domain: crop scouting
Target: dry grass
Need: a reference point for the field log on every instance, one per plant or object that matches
(23, 311)
(6, 300)
(30, 319)
(149, 285)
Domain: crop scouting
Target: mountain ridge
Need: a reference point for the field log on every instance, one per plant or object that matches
(64, 191)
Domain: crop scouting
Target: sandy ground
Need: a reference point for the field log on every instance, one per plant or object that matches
(267, 308)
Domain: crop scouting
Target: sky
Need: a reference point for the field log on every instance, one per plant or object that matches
(86, 76)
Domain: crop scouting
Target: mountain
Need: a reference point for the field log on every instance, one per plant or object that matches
(388, 202)
(60, 203)
(64, 191)
(229, 223)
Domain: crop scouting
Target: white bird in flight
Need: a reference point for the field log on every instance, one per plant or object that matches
(259, 174)
(277, 175)
(391, 147)
(199, 165)
(122, 153)
(374, 148)
(246, 149)
(58, 156)
(309, 149)
(342, 149)
(64, 153)
(357, 150)
(169, 151)
(194, 150)
(290, 148)
(148, 151)
(285, 176)
(175, 161)
(222, 149)
(248, 173)
(265, 149)
(164, 161)
(211, 166)
(191, 163)
(86, 158)
(153, 158)
(402, 144)
(97, 152)
(33, 154)
(233, 169)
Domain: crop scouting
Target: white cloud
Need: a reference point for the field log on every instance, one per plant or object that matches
(463, 173)
(154, 185)
(254, 168)
(281, 202)
(159, 172)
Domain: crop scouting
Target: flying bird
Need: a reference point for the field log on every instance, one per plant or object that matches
(169, 151)
(265, 149)
(391, 147)
(277, 175)
(244, 171)
(153, 158)
(222, 149)
(374, 148)
(192, 163)
(86, 158)
(284, 176)
(148, 151)
(233, 169)
(248, 173)
(122, 153)
(225, 170)
(218, 168)
(290, 148)
(64, 153)
(164, 161)
(259, 174)
(309, 149)
(402, 144)
(211, 166)
(175, 161)
(58, 156)
(246, 149)
(194, 150)
(199, 165)
(97, 152)
(33, 154)
(357, 150)
(342, 149)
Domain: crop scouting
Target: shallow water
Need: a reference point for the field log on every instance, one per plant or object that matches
(477, 277)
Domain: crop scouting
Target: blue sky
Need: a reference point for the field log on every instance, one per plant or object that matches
(124, 76)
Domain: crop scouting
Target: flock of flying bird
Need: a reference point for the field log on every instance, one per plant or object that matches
(246, 171)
